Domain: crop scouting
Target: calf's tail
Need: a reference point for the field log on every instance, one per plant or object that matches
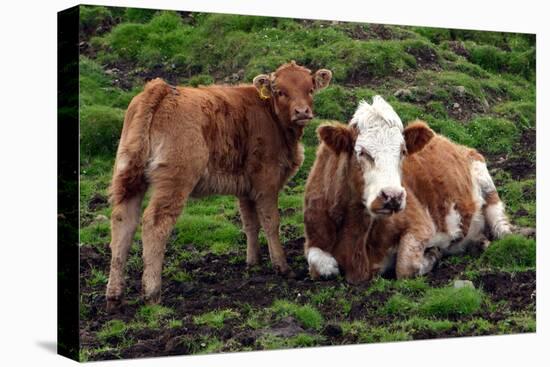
(134, 147)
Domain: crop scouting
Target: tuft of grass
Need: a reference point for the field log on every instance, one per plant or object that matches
(522, 113)
(201, 79)
(215, 319)
(113, 329)
(98, 278)
(475, 326)
(152, 315)
(174, 323)
(307, 315)
(398, 305)
(100, 128)
(493, 135)
(511, 252)
(445, 302)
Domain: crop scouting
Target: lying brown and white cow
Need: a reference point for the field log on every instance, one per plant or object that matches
(379, 196)
(242, 140)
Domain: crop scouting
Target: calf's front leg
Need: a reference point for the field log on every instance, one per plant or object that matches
(268, 213)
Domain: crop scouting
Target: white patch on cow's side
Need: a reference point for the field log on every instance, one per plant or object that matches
(453, 220)
(482, 179)
(495, 215)
(381, 137)
(497, 220)
(443, 239)
(325, 264)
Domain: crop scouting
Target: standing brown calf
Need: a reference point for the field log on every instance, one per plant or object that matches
(182, 142)
(379, 195)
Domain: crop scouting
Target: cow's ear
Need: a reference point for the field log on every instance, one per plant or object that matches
(417, 135)
(262, 83)
(321, 78)
(338, 138)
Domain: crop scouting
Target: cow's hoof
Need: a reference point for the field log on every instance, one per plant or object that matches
(114, 304)
(434, 253)
(152, 298)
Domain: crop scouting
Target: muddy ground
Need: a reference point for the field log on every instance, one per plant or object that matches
(221, 282)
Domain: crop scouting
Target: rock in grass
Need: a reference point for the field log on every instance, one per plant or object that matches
(403, 93)
(463, 284)
(101, 218)
(460, 89)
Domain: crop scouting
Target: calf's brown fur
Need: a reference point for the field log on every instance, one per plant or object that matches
(182, 142)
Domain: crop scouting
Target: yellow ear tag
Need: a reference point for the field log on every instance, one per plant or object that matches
(264, 93)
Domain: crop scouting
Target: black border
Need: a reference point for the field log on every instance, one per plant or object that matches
(68, 343)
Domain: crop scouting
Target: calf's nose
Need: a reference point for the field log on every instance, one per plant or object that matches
(392, 198)
(302, 113)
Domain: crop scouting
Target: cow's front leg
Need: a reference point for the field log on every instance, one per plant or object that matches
(320, 240)
(251, 226)
(413, 258)
(268, 213)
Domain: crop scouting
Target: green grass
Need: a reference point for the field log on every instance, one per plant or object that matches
(445, 302)
(152, 315)
(215, 319)
(307, 315)
(112, 329)
(398, 305)
(511, 252)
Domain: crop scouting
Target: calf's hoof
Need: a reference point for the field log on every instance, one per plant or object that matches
(151, 298)
(114, 304)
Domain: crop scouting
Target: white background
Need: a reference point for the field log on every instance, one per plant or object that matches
(28, 181)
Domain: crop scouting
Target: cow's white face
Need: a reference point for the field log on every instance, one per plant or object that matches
(380, 148)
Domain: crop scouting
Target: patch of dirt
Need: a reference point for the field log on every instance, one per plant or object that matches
(521, 164)
(463, 107)
(98, 201)
(425, 56)
(518, 289)
(458, 48)
(220, 282)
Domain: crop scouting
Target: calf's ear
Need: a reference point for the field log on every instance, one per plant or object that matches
(321, 78)
(262, 83)
(338, 138)
(417, 135)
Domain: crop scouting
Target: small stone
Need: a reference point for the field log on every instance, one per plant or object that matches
(463, 284)
(460, 89)
(403, 93)
(101, 218)
(485, 104)
(456, 106)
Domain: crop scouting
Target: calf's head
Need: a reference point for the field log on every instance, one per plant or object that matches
(290, 89)
(376, 145)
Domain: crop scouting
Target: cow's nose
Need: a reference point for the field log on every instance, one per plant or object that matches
(302, 113)
(392, 198)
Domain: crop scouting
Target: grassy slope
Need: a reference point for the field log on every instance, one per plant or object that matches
(478, 88)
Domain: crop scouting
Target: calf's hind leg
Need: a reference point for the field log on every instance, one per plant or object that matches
(171, 188)
(124, 222)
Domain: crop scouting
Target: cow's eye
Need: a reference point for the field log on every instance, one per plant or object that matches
(363, 153)
(311, 91)
(280, 93)
(404, 151)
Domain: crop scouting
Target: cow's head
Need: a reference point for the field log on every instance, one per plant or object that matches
(376, 144)
(291, 88)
